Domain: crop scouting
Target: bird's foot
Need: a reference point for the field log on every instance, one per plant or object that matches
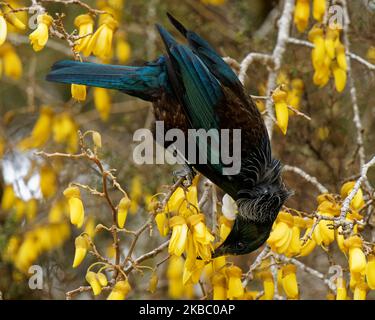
(186, 172)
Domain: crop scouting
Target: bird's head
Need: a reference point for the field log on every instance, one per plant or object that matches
(257, 211)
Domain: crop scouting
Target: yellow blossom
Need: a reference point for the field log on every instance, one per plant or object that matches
(102, 102)
(102, 279)
(294, 247)
(9, 198)
(289, 281)
(341, 289)
(123, 49)
(360, 291)
(184, 203)
(97, 139)
(316, 36)
(14, 21)
(41, 131)
(85, 25)
(219, 287)
(193, 269)
(11, 61)
(281, 234)
(76, 209)
(122, 211)
(20, 207)
(174, 275)
(153, 282)
(3, 29)
(120, 290)
(135, 194)
(268, 285)
(90, 227)
(235, 288)
(307, 244)
(341, 56)
(330, 42)
(340, 77)
(302, 14)
(319, 8)
(39, 37)
(78, 92)
(48, 183)
(162, 224)
(31, 209)
(358, 202)
(200, 232)
(93, 281)
(279, 96)
(177, 243)
(56, 213)
(100, 44)
(357, 259)
(81, 246)
(295, 95)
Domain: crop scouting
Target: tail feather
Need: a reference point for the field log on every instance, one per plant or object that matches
(144, 82)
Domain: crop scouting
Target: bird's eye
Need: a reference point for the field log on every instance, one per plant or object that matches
(240, 245)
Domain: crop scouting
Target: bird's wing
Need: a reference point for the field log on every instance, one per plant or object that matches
(209, 104)
(210, 57)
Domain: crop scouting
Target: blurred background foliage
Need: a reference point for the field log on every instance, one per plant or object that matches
(323, 146)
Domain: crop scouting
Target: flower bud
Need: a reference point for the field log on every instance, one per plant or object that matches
(153, 282)
(122, 212)
(102, 279)
(92, 279)
(81, 246)
(120, 290)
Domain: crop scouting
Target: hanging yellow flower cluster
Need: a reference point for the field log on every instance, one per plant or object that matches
(100, 42)
(97, 280)
(189, 232)
(61, 127)
(294, 88)
(24, 251)
(328, 57)
(302, 12)
(285, 234)
(10, 62)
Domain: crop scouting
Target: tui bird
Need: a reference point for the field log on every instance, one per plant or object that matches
(191, 86)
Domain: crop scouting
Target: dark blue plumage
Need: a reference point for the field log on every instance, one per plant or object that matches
(192, 87)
